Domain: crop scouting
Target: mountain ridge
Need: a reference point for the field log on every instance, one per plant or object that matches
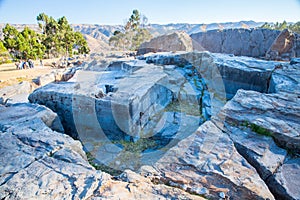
(102, 33)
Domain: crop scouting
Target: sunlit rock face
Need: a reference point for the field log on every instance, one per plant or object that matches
(189, 124)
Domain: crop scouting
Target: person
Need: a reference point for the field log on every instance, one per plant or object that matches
(21, 64)
(41, 63)
(30, 63)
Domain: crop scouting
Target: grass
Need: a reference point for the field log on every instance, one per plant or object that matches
(131, 151)
(257, 129)
(101, 167)
(138, 146)
(189, 109)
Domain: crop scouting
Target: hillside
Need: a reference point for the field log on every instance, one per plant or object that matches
(102, 32)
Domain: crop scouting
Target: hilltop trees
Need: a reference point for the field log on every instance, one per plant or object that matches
(281, 26)
(57, 39)
(134, 33)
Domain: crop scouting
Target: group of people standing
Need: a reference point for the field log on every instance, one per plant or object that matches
(25, 64)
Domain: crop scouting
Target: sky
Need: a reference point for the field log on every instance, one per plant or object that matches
(113, 12)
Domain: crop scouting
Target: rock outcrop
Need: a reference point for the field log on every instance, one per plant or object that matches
(240, 42)
(282, 47)
(178, 41)
(265, 130)
(37, 162)
(186, 146)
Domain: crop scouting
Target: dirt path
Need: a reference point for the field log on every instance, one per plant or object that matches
(9, 75)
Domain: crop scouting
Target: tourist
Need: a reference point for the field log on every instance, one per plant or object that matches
(30, 63)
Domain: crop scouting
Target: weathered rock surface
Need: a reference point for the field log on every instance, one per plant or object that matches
(286, 78)
(240, 42)
(178, 41)
(8, 93)
(248, 150)
(282, 47)
(207, 163)
(277, 113)
(221, 72)
(264, 128)
(39, 163)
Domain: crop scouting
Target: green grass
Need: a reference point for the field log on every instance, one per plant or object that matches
(138, 146)
(189, 109)
(101, 167)
(257, 129)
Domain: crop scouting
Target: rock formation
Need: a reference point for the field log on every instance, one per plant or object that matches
(282, 47)
(240, 42)
(178, 41)
(190, 125)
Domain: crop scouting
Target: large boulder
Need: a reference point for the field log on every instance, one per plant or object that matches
(178, 41)
(265, 131)
(282, 47)
(207, 163)
(240, 42)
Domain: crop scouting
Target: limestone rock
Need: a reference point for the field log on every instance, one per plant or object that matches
(285, 183)
(207, 163)
(240, 42)
(10, 91)
(282, 47)
(178, 41)
(133, 186)
(18, 113)
(258, 124)
(39, 163)
(286, 78)
(269, 111)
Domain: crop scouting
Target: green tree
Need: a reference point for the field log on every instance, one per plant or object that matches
(10, 34)
(29, 44)
(284, 25)
(4, 54)
(59, 37)
(135, 33)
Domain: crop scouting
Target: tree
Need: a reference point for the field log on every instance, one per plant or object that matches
(57, 39)
(29, 45)
(10, 34)
(4, 54)
(60, 39)
(134, 33)
(284, 25)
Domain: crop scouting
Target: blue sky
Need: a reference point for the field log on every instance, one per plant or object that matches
(157, 11)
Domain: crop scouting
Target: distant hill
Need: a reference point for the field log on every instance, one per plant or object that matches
(98, 35)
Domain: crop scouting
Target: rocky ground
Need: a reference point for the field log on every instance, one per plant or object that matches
(194, 125)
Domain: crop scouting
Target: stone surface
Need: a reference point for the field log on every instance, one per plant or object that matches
(285, 183)
(18, 113)
(178, 41)
(265, 128)
(277, 113)
(286, 78)
(39, 163)
(126, 107)
(134, 186)
(282, 47)
(221, 72)
(207, 163)
(240, 42)
(10, 92)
